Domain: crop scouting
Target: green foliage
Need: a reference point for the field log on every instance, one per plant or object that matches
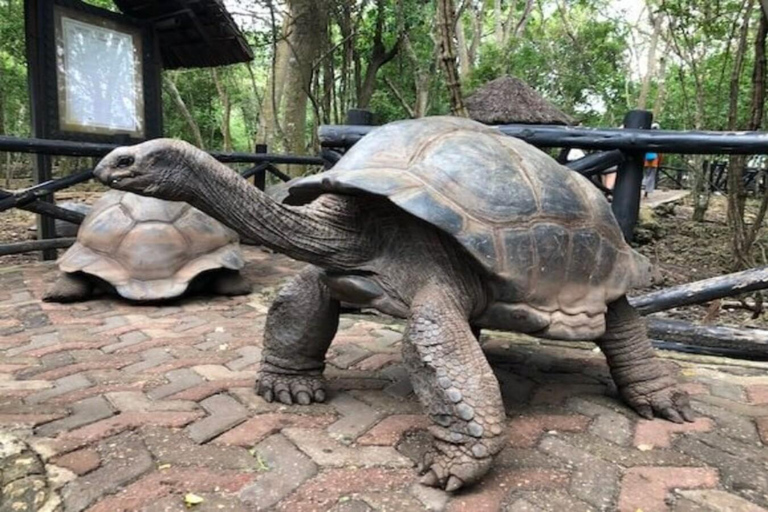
(579, 64)
(569, 50)
(13, 71)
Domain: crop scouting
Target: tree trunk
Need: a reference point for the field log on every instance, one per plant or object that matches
(2, 125)
(269, 125)
(468, 49)
(379, 56)
(170, 86)
(446, 20)
(661, 94)
(651, 67)
(307, 22)
(465, 66)
(226, 108)
(498, 25)
(741, 242)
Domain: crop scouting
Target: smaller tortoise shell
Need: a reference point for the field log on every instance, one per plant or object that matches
(147, 248)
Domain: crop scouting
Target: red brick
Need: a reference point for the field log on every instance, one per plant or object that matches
(377, 361)
(645, 488)
(29, 419)
(490, 493)
(555, 394)
(207, 389)
(64, 317)
(525, 431)
(172, 480)
(63, 347)
(262, 426)
(391, 429)
(80, 462)
(10, 368)
(322, 492)
(762, 429)
(659, 433)
(159, 342)
(188, 363)
(758, 394)
(116, 424)
(102, 364)
(80, 394)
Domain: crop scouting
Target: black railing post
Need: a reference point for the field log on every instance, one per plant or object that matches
(626, 192)
(359, 117)
(33, 12)
(260, 178)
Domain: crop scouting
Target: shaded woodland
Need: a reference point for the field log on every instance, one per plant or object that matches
(696, 64)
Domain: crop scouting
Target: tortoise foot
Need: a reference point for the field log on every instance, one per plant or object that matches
(69, 288)
(659, 399)
(291, 389)
(231, 284)
(453, 466)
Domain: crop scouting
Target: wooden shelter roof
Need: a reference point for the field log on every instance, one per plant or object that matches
(509, 100)
(191, 33)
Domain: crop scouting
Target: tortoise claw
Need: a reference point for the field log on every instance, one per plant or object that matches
(453, 484)
(430, 479)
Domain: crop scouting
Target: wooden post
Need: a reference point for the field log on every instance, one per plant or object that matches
(260, 178)
(626, 193)
(33, 13)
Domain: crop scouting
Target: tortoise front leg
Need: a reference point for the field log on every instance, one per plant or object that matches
(301, 324)
(457, 388)
(642, 381)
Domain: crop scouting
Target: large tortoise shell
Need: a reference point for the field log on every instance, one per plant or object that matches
(147, 248)
(533, 224)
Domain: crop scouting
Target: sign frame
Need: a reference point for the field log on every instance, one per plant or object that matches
(50, 104)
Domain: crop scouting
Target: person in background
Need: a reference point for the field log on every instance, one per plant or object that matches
(609, 175)
(651, 168)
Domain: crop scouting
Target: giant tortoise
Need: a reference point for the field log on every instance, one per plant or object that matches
(453, 226)
(147, 249)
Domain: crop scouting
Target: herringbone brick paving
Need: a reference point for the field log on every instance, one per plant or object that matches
(106, 406)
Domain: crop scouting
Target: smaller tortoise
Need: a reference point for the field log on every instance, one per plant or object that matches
(147, 249)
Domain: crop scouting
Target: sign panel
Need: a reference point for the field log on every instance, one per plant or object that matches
(99, 76)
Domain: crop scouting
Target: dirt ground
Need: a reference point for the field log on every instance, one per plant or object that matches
(683, 250)
(686, 251)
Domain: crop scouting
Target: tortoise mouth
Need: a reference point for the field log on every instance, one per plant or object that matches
(114, 178)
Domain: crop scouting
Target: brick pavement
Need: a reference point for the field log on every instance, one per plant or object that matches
(106, 406)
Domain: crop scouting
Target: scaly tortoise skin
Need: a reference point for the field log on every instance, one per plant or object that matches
(148, 249)
(451, 226)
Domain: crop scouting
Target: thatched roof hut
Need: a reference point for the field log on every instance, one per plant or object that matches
(509, 100)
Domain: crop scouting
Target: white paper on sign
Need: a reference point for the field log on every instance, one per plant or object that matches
(100, 77)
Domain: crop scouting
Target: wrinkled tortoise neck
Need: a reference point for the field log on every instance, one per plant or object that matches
(325, 232)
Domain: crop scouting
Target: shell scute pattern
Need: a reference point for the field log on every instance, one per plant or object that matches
(201, 234)
(547, 237)
(104, 230)
(149, 248)
(152, 250)
(144, 209)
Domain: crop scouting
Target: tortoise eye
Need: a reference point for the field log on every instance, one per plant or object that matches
(124, 161)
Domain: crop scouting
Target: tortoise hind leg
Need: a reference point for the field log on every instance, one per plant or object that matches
(643, 382)
(230, 283)
(457, 388)
(69, 288)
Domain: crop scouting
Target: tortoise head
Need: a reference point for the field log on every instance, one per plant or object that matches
(158, 168)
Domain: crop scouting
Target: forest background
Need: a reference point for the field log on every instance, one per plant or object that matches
(697, 64)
